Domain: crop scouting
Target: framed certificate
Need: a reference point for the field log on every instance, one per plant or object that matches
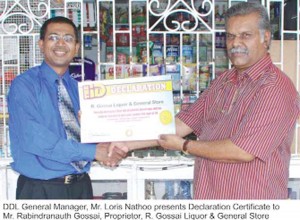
(126, 109)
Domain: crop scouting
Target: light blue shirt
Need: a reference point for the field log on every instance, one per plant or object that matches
(39, 144)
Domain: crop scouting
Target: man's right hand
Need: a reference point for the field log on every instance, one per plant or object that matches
(110, 157)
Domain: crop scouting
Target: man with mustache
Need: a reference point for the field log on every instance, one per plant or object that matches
(244, 121)
(47, 153)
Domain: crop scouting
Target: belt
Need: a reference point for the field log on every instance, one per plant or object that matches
(68, 179)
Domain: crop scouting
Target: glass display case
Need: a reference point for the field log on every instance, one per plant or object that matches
(141, 180)
(294, 188)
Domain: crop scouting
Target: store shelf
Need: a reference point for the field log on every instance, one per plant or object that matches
(202, 47)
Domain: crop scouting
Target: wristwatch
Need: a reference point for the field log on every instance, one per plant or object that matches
(185, 147)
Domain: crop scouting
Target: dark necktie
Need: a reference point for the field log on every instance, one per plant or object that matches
(69, 120)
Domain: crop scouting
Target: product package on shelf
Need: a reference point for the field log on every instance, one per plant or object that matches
(174, 71)
(139, 12)
(156, 70)
(123, 55)
(221, 62)
(172, 48)
(168, 189)
(187, 54)
(220, 9)
(189, 77)
(292, 194)
(187, 100)
(89, 16)
(122, 16)
(122, 71)
(204, 76)
(76, 69)
(4, 139)
(150, 190)
(105, 23)
(142, 52)
(294, 188)
(157, 53)
(138, 70)
(1, 139)
(177, 102)
(139, 34)
(74, 12)
(123, 39)
(173, 54)
(6, 80)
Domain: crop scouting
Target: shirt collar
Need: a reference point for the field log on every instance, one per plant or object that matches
(259, 68)
(50, 75)
(253, 72)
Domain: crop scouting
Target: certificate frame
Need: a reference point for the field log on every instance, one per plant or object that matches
(126, 109)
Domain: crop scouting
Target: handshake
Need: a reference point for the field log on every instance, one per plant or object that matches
(111, 154)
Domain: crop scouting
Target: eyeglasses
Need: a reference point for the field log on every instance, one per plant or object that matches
(67, 38)
(241, 36)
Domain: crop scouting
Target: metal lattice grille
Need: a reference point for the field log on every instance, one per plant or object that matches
(121, 37)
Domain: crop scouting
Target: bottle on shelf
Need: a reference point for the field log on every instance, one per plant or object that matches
(185, 186)
(183, 190)
(150, 191)
(217, 17)
(122, 39)
(169, 190)
(222, 16)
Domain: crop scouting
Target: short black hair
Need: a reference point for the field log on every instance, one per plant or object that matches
(58, 19)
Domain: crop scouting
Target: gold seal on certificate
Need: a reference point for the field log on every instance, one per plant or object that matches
(126, 109)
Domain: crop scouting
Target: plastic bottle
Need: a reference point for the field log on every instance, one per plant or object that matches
(183, 190)
(150, 191)
(185, 186)
(169, 190)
